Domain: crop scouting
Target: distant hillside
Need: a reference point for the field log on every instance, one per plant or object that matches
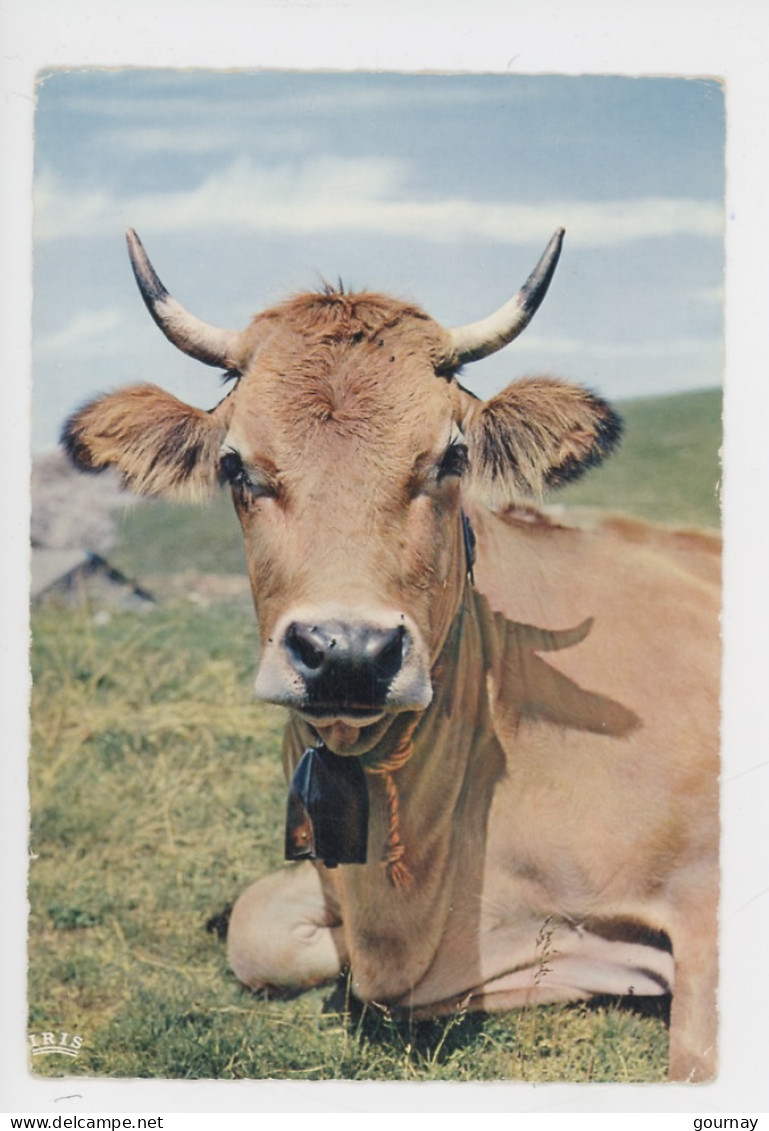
(667, 469)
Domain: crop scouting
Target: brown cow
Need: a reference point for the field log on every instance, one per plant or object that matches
(539, 748)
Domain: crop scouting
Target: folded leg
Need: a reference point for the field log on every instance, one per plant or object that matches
(283, 933)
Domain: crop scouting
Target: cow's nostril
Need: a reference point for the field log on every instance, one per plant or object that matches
(306, 647)
(390, 658)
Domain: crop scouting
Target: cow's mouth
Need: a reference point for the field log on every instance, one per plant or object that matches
(347, 730)
(358, 716)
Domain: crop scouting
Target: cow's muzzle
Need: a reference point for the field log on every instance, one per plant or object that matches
(354, 668)
(345, 668)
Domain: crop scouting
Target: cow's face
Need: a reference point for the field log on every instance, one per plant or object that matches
(347, 443)
(345, 452)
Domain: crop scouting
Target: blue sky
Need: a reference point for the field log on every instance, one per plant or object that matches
(439, 188)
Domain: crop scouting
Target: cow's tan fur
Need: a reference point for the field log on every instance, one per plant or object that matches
(558, 780)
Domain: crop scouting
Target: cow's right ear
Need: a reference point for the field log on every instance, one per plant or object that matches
(160, 445)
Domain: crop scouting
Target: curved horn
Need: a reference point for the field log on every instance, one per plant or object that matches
(201, 341)
(479, 339)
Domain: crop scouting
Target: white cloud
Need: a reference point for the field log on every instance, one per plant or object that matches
(714, 296)
(361, 195)
(658, 349)
(86, 333)
(59, 213)
(190, 139)
(169, 101)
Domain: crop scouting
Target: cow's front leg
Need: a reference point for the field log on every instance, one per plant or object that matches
(283, 933)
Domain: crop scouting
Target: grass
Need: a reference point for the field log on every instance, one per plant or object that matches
(158, 537)
(157, 796)
(667, 468)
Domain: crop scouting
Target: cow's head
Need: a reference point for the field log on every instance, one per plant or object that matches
(348, 442)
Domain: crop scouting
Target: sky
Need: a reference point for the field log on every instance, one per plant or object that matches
(439, 188)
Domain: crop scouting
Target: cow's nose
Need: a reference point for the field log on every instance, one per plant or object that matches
(345, 665)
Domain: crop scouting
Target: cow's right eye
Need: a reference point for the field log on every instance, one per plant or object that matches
(232, 471)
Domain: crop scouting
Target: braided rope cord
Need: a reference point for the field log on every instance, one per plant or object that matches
(393, 849)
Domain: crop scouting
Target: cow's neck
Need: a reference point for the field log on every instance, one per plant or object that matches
(441, 819)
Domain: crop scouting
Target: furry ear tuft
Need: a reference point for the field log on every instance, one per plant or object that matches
(160, 445)
(537, 435)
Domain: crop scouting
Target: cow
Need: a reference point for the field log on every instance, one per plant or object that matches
(508, 722)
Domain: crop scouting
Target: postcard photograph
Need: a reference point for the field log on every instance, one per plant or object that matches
(376, 644)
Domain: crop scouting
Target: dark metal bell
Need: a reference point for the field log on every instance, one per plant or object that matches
(327, 815)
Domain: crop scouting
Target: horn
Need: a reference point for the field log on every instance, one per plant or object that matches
(479, 339)
(206, 343)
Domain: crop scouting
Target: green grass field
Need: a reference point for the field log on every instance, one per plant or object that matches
(157, 795)
(667, 468)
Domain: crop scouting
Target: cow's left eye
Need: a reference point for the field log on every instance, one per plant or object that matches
(454, 461)
(232, 470)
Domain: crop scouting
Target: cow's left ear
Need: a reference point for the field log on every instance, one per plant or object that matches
(160, 445)
(536, 435)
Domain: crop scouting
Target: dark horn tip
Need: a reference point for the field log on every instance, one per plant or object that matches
(152, 289)
(556, 239)
(556, 242)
